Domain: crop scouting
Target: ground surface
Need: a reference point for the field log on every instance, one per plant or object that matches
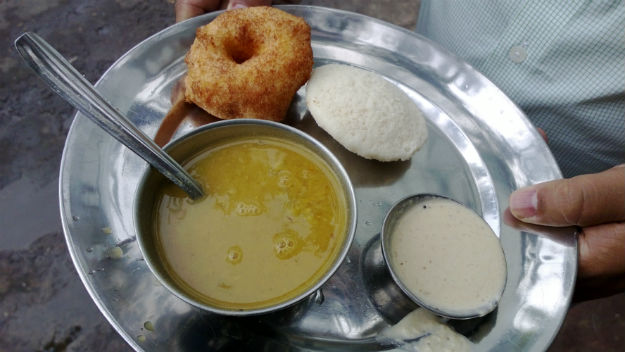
(43, 305)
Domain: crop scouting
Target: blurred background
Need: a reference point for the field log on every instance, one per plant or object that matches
(43, 304)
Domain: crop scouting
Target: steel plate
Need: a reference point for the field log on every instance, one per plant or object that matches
(480, 148)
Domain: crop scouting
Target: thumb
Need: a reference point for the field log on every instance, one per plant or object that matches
(186, 9)
(583, 200)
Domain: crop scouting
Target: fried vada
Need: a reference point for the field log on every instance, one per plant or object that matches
(249, 63)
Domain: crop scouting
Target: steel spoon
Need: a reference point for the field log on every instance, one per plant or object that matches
(67, 82)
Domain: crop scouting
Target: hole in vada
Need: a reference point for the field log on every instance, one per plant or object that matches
(240, 51)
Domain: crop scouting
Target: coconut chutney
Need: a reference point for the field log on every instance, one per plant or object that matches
(447, 257)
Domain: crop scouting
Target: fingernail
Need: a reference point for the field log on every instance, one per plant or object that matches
(523, 203)
(183, 14)
(235, 5)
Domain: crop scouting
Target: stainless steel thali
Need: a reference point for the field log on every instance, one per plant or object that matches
(481, 147)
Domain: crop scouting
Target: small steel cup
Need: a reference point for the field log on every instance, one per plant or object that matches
(199, 139)
(388, 226)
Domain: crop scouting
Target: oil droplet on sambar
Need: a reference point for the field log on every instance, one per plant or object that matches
(235, 255)
(286, 244)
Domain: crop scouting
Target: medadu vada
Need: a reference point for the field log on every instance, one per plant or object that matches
(249, 63)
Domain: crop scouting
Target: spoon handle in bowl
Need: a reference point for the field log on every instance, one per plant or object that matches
(67, 82)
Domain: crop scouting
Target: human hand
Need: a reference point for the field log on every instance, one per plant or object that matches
(186, 9)
(595, 203)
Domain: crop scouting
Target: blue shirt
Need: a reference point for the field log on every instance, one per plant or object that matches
(561, 62)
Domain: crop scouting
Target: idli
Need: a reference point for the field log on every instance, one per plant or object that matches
(365, 113)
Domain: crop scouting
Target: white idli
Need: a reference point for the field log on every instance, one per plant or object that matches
(365, 113)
